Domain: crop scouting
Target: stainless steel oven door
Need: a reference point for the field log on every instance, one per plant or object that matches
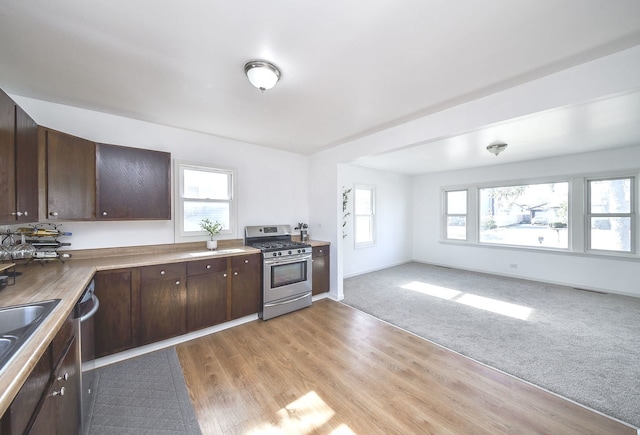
(286, 277)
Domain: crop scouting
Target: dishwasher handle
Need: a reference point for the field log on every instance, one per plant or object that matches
(93, 310)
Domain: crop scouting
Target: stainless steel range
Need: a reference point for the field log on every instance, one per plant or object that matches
(286, 269)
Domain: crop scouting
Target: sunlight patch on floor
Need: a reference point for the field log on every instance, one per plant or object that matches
(487, 304)
(302, 416)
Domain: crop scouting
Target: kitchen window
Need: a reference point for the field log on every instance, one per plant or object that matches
(456, 215)
(610, 216)
(204, 192)
(364, 215)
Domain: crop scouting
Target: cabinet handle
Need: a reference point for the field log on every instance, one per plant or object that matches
(58, 393)
(53, 213)
(208, 266)
(64, 377)
(162, 272)
(177, 282)
(104, 213)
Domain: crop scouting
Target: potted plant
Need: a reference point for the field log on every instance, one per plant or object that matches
(212, 228)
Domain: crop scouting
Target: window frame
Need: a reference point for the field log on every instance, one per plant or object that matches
(577, 216)
(632, 215)
(371, 215)
(179, 167)
(447, 215)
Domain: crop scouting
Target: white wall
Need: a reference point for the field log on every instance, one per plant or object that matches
(272, 185)
(579, 270)
(393, 220)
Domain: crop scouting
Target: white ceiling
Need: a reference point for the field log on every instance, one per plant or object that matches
(349, 68)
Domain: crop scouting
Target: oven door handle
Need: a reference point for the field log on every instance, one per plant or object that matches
(288, 301)
(288, 260)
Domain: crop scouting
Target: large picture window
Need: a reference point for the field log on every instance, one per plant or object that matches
(610, 214)
(364, 215)
(525, 215)
(204, 192)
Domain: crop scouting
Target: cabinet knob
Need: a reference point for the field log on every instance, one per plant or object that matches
(177, 282)
(104, 213)
(320, 251)
(19, 213)
(64, 377)
(246, 261)
(53, 213)
(225, 275)
(235, 273)
(58, 393)
(162, 272)
(208, 266)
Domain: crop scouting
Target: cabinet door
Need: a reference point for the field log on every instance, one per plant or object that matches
(71, 177)
(245, 286)
(115, 322)
(320, 277)
(7, 159)
(163, 302)
(60, 411)
(26, 167)
(19, 413)
(133, 183)
(206, 300)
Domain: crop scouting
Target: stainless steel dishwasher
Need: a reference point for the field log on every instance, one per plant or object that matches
(85, 309)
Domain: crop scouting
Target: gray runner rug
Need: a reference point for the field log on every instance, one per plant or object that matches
(582, 345)
(142, 395)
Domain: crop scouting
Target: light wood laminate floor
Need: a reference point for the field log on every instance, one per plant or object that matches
(330, 369)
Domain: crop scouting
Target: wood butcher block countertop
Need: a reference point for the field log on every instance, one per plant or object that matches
(66, 281)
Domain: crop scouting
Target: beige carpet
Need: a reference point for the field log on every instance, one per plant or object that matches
(582, 345)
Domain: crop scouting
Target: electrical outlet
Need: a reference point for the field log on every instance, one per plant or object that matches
(513, 266)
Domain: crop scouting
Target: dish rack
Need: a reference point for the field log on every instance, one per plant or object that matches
(41, 240)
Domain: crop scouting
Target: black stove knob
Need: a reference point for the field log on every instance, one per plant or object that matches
(274, 254)
(289, 252)
(279, 253)
(299, 251)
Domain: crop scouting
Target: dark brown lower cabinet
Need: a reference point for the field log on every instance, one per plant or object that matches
(115, 321)
(246, 274)
(321, 275)
(206, 293)
(49, 401)
(152, 303)
(163, 297)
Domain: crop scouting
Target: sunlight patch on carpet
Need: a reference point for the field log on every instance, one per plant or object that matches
(483, 303)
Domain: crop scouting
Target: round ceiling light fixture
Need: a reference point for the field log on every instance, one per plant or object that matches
(496, 148)
(262, 74)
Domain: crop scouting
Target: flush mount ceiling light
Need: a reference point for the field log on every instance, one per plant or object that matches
(262, 74)
(496, 148)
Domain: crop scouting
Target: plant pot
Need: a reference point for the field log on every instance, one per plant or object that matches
(212, 244)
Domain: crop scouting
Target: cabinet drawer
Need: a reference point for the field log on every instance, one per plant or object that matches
(320, 251)
(163, 271)
(206, 266)
(246, 260)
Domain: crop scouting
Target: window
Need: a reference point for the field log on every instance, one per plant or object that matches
(204, 192)
(456, 215)
(610, 214)
(364, 216)
(525, 215)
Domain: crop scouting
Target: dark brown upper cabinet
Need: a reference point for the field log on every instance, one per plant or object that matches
(133, 183)
(71, 176)
(18, 164)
